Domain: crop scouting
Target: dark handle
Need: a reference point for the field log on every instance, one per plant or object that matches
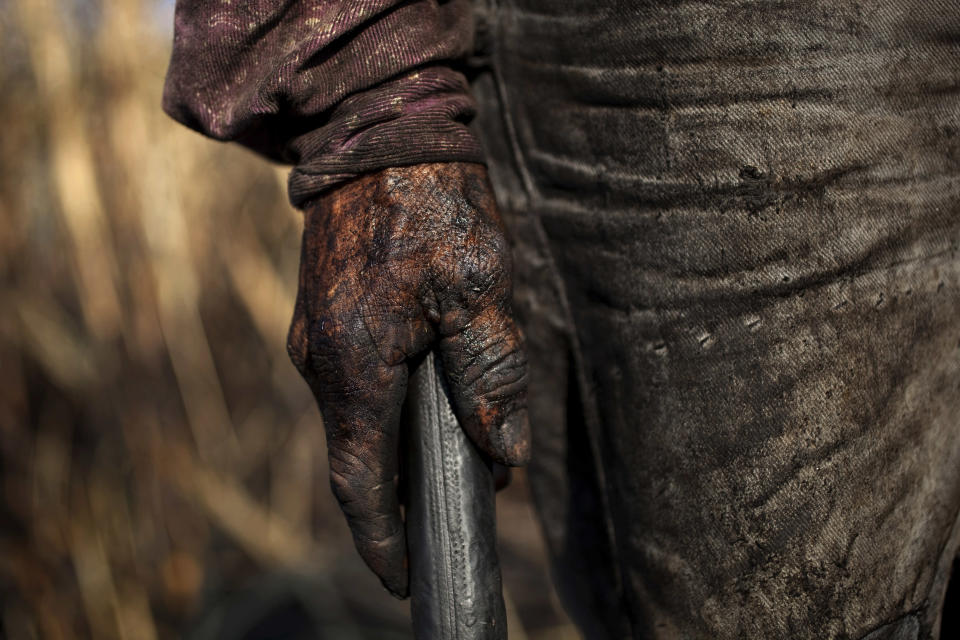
(455, 586)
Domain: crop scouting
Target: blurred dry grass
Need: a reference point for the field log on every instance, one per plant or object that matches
(163, 465)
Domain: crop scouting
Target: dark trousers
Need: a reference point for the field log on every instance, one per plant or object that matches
(737, 228)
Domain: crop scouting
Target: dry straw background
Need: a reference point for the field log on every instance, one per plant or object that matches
(163, 466)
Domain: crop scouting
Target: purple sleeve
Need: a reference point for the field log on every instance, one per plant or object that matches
(334, 87)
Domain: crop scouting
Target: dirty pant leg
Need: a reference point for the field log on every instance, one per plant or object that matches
(781, 460)
(753, 212)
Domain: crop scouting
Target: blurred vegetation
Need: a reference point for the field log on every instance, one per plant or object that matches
(163, 467)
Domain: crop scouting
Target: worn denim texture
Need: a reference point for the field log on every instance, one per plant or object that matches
(738, 228)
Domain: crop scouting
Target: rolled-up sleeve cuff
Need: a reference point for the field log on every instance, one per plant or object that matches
(419, 117)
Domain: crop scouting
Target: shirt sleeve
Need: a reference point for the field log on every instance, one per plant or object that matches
(334, 87)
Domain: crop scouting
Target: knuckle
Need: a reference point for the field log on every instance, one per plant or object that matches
(324, 359)
(297, 343)
(496, 367)
(362, 491)
(321, 347)
(505, 379)
(349, 480)
(343, 487)
(493, 262)
(488, 267)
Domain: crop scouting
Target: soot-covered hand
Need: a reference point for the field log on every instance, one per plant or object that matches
(394, 263)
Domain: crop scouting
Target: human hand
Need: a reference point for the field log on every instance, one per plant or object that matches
(394, 263)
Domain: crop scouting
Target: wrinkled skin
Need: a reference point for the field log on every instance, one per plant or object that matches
(395, 263)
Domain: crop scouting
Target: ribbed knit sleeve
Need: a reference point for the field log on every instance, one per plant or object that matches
(334, 87)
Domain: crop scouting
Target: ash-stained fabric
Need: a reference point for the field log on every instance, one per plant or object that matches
(337, 88)
(753, 214)
(737, 229)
